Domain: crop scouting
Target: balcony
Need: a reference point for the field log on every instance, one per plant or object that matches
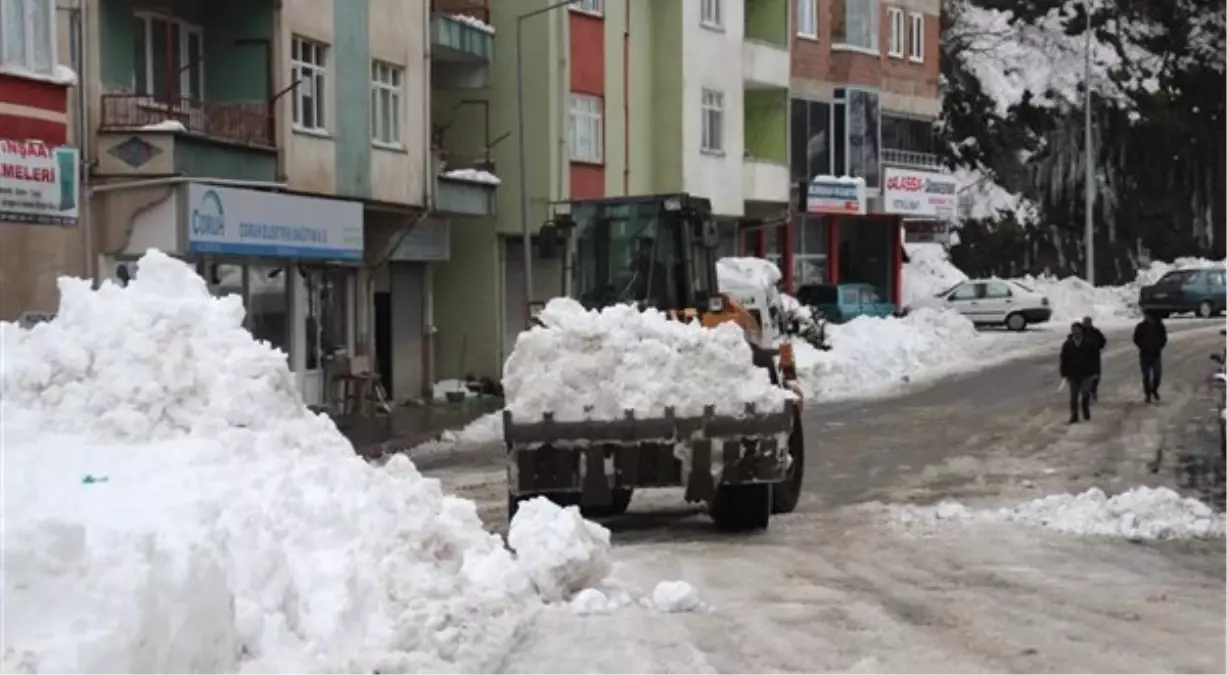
(765, 65)
(465, 188)
(462, 41)
(764, 181)
(912, 160)
(767, 22)
(145, 135)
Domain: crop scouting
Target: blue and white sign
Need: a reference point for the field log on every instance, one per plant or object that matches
(232, 221)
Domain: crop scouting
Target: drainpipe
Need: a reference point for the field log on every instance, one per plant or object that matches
(82, 134)
(428, 202)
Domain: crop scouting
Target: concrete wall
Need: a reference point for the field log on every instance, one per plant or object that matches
(350, 57)
(716, 176)
(468, 299)
(399, 34)
(310, 159)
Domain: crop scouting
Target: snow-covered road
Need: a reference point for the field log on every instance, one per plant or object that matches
(842, 585)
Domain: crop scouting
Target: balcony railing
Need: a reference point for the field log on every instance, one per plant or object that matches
(910, 159)
(246, 122)
(476, 9)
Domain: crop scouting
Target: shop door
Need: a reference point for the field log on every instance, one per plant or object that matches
(408, 329)
(327, 326)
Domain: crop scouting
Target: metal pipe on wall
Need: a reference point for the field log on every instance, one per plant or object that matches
(85, 203)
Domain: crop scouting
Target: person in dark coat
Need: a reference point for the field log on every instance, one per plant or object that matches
(1078, 357)
(1150, 337)
(1097, 338)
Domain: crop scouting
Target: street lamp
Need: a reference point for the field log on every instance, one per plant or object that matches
(525, 228)
(1090, 170)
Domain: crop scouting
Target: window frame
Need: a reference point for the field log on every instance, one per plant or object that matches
(31, 37)
(590, 7)
(711, 127)
(387, 81)
(185, 29)
(319, 73)
(711, 14)
(812, 14)
(916, 37)
(870, 10)
(896, 44)
(586, 114)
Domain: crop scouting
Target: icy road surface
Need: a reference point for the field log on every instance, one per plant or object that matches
(841, 586)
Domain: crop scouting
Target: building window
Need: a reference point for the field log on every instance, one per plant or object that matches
(385, 103)
(916, 38)
(27, 35)
(811, 139)
(713, 121)
(308, 61)
(709, 14)
(807, 19)
(596, 7)
(864, 133)
(586, 129)
(855, 24)
(895, 48)
(168, 58)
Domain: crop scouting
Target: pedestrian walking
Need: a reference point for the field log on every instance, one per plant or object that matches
(1078, 357)
(1099, 341)
(1150, 337)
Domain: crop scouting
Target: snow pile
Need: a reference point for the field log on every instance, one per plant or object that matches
(561, 552)
(928, 272)
(473, 176)
(165, 125)
(982, 198)
(600, 601)
(1154, 271)
(1140, 513)
(171, 506)
(473, 22)
(870, 354)
(582, 363)
(1072, 298)
(676, 597)
(750, 273)
(442, 388)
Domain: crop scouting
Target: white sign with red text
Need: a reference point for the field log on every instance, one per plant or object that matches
(38, 183)
(925, 194)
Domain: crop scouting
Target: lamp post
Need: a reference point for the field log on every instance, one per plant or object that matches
(1090, 169)
(525, 228)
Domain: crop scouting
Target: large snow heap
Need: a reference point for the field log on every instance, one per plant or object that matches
(171, 506)
(597, 364)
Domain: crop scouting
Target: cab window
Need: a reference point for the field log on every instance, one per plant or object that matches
(1218, 279)
(869, 296)
(849, 296)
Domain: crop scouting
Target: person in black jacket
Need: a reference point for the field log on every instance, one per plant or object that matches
(1096, 338)
(1150, 336)
(1078, 357)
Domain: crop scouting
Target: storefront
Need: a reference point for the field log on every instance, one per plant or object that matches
(292, 259)
(860, 246)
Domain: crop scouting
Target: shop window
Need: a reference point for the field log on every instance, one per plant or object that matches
(809, 269)
(268, 305)
(327, 320)
(811, 139)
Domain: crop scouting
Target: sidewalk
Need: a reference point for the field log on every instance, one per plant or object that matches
(409, 426)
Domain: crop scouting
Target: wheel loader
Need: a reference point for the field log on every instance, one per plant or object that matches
(659, 251)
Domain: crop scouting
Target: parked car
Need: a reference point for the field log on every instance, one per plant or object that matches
(843, 302)
(1202, 291)
(992, 302)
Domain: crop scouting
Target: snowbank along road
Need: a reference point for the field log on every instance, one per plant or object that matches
(842, 585)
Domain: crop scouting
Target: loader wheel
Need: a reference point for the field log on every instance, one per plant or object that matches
(559, 498)
(786, 494)
(620, 501)
(742, 508)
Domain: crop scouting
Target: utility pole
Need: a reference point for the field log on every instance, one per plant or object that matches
(1087, 159)
(526, 229)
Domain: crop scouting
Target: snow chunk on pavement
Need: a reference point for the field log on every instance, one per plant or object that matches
(598, 364)
(1140, 513)
(676, 597)
(560, 551)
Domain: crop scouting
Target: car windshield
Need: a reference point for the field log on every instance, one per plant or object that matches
(1177, 276)
(1023, 286)
(948, 291)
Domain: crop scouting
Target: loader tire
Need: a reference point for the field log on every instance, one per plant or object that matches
(742, 508)
(620, 501)
(560, 498)
(786, 494)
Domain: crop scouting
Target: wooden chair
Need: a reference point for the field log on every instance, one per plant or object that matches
(360, 391)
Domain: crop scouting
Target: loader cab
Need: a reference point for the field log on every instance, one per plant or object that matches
(656, 251)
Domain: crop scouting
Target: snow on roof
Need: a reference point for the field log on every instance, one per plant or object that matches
(59, 75)
(473, 176)
(473, 22)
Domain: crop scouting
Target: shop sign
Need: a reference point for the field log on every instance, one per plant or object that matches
(927, 194)
(38, 183)
(232, 221)
(926, 231)
(839, 195)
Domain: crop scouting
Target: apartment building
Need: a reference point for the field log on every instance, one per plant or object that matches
(39, 162)
(865, 92)
(282, 147)
(621, 97)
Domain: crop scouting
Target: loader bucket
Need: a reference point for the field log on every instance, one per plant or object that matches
(595, 457)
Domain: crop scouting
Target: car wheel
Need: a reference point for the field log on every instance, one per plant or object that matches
(1016, 322)
(1205, 310)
